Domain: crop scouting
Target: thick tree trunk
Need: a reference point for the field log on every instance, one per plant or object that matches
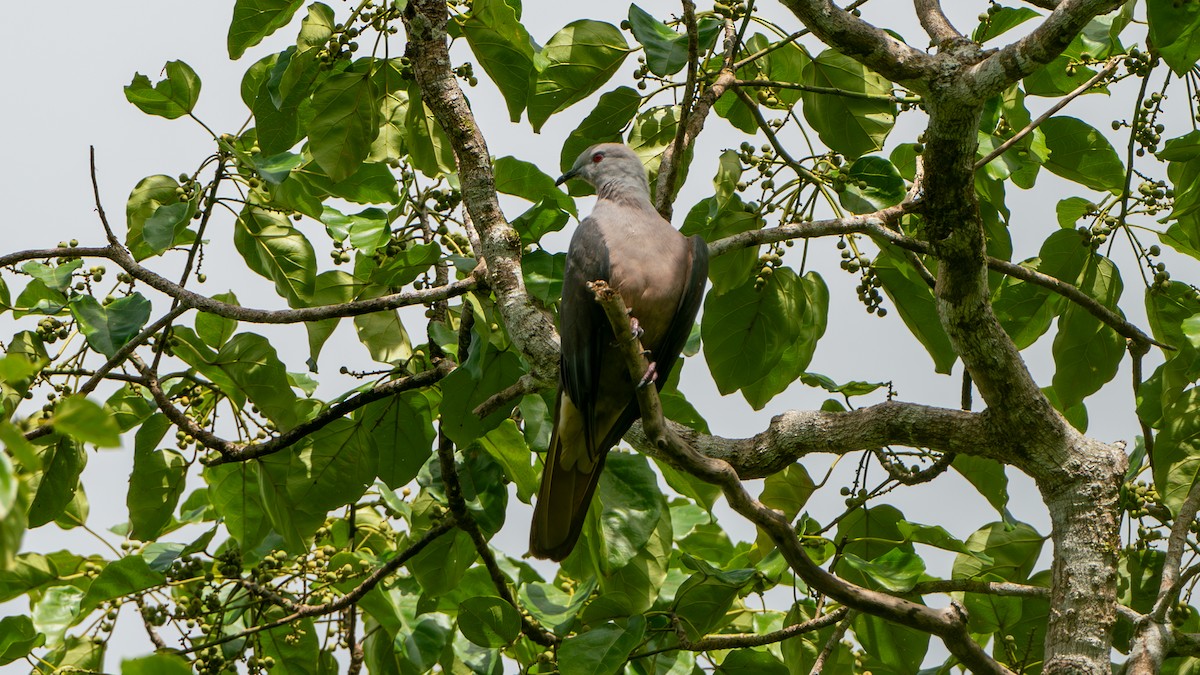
(1078, 477)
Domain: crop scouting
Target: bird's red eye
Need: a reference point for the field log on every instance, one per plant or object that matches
(597, 157)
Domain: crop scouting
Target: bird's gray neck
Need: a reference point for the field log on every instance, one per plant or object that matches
(633, 190)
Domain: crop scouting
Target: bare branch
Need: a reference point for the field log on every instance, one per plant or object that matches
(691, 122)
(191, 300)
(740, 640)
(863, 42)
(231, 451)
(934, 21)
(1039, 47)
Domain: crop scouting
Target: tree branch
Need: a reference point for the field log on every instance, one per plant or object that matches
(691, 121)
(863, 42)
(531, 329)
(301, 611)
(191, 300)
(949, 624)
(934, 21)
(741, 640)
(466, 522)
(1041, 46)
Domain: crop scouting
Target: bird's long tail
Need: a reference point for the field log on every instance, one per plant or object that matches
(565, 494)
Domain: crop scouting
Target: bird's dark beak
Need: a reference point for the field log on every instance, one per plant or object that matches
(566, 176)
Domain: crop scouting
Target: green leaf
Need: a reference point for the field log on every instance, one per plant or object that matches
(751, 662)
(216, 330)
(850, 126)
(890, 648)
(14, 505)
(119, 578)
(788, 490)
(915, 302)
(747, 331)
(652, 133)
(631, 506)
(294, 646)
(1177, 449)
(156, 664)
(1173, 33)
(602, 650)
(1071, 210)
(109, 327)
(253, 20)
(86, 422)
(18, 638)
(172, 97)
(428, 146)
(1087, 352)
(1080, 153)
(234, 494)
(401, 430)
(370, 183)
(1025, 310)
(713, 222)
(252, 365)
(576, 61)
(489, 622)
(505, 50)
(1001, 21)
(507, 446)
(544, 274)
(274, 249)
(702, 601)
(1012, 547)
(486, 372)
(881, 185)
(332, 287)
(666, 50)
(384, 336)
(897, 570)
(156, 482)
(367, 230)
(440, 566)
(150, 194)
(525, 180)
(404, 267)
(344, 123)
(169, 221)
(57, 610)
(57, 277)
(553, 607)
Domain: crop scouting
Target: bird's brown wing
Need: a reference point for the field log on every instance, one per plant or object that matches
(572, 472)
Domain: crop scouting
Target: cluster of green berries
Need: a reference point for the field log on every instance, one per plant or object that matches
(1139, 63)
(985, 17)
(730, 10)
(52, 330)
(768, 261)
(467, 73)
(1155, 196)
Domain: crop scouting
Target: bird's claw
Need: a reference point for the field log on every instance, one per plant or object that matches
(650, 375)
(636, 328)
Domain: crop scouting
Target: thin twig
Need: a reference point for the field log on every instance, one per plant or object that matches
(1058, 105)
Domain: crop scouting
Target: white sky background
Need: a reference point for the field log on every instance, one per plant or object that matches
(64, 86)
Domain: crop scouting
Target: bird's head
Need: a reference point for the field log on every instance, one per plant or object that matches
(613, 169)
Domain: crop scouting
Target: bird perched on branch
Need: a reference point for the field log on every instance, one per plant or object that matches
(660, 275)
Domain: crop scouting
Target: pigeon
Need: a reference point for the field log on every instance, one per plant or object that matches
(660, 275)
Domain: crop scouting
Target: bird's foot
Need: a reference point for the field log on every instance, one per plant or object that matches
(650, 376)
(635, 327)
